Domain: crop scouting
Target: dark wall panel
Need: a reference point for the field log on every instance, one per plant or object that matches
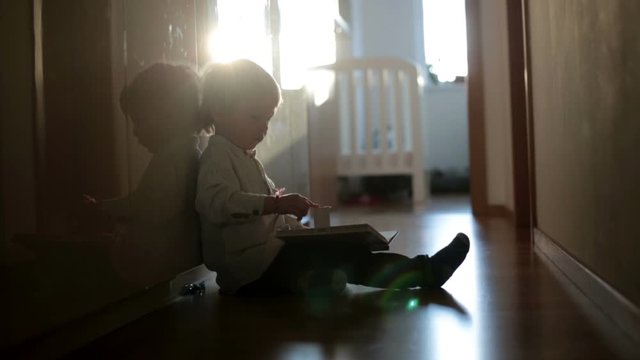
(586, 82)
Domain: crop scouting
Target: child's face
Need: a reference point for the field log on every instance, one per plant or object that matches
(249, 122)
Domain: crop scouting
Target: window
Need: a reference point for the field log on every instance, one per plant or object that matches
(241, 32)
(306, 37)
(445, 38)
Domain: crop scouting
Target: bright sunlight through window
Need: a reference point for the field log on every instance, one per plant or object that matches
(241, 32)
(306, 38)
(445, 38)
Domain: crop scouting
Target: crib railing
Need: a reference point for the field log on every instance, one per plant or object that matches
(376, 108)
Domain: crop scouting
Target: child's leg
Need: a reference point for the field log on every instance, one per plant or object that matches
(446, 261)
(298, 267)
(395, 271)
(385, 270)
(382, 270)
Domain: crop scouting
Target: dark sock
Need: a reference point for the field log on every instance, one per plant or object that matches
(440, 266)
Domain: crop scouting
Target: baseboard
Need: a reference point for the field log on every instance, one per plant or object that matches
(72, 336)
(611, 303)
(499, 211)
(486, 210)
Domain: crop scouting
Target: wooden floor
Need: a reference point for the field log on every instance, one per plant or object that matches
(505, 302)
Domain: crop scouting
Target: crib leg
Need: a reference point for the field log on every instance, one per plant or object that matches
(419, 187)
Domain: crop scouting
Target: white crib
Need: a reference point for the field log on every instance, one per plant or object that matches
(371, 125)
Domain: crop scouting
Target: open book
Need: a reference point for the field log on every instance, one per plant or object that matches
(363, 234)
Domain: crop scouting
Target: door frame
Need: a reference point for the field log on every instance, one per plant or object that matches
(523, 214)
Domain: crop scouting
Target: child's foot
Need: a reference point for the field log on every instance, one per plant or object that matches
(322, 282)
(442, 264)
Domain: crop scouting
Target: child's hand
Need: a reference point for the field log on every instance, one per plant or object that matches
(88, 200)
(295, 204)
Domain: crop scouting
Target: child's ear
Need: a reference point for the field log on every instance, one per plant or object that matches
(219, 114)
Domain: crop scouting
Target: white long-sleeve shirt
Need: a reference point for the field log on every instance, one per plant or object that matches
(238, 241)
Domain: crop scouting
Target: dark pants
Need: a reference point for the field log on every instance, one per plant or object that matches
(362, 267)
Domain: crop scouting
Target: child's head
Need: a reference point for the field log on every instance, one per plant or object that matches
(239, 98)
(162, 101)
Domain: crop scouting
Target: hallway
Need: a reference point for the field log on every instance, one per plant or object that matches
(505, 302)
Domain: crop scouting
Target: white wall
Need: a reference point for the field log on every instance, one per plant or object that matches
(388, 28)
(285, 150)
(447, 127)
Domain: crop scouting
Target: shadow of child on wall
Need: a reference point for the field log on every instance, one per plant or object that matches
(55, 277)
(157, 226)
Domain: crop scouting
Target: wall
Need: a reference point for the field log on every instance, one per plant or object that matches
(62, 257)
(388, 28)
(65, 261)
(447, 127)
(586, 83)
(394, 28)
(285, 150)
(497, 115)
(17, 113)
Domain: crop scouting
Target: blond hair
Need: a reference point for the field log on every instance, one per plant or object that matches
(226, 85)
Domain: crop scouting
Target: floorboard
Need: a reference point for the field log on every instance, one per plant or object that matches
(505, 302)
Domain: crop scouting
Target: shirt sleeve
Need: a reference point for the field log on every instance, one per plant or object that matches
(272, 185)
(219, 197)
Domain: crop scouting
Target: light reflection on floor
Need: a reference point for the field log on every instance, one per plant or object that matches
(444, 332)
(455, 336)
(502, 303)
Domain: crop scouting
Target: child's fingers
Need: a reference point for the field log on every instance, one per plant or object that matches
(88, 199)
(298, 205)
